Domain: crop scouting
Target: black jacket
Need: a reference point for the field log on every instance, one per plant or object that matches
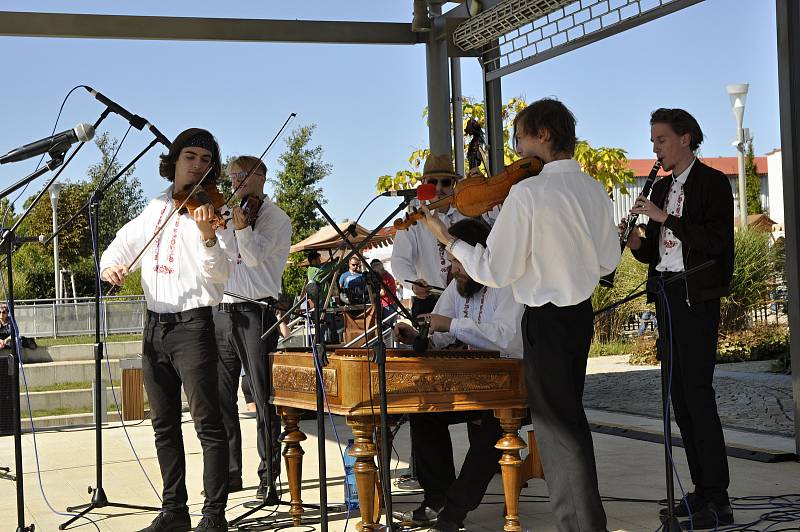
(705, 230)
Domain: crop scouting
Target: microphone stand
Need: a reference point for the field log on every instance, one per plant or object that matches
(379, 357)
(355, 249)
(271, 498)
(99, 498)
(670, 521)
(9, 239)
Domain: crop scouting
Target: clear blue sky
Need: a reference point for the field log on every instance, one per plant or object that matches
(367, 101)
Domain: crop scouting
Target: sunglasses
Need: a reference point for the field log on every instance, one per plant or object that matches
(445, 181)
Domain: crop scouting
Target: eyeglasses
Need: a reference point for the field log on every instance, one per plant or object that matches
(4, 311)
(445, 181)
(242, 175)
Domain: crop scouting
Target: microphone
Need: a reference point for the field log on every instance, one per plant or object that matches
(80, 133)
(422, 192)
(135, 120)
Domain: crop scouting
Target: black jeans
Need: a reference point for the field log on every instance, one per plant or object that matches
(183, 351)
(556, 344)
(433, 453)
(238, 334)
(695, 330)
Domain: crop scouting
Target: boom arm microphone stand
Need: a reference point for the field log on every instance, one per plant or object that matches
(270, 497)
(670, 521)
(7, 241)
(379, 357)
(99, 498)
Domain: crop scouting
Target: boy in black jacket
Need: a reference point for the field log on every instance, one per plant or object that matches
(691, 222)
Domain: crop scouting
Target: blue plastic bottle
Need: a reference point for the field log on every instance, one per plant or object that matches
(350, 491)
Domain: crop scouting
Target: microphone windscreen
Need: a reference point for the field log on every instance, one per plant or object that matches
(84, 132)
(426, 192)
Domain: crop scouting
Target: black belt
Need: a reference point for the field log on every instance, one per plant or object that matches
(244, 306)
(180, 317)
(667, 275)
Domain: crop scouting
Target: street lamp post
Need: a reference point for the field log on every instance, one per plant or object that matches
(738, 95)
(55, 190)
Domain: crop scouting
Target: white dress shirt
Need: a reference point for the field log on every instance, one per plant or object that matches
(416, 254)
(263, 250)
(178, 271)
(553, 239)
(489, 319)
(669, 245)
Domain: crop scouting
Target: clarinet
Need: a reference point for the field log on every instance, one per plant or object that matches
(630, 224)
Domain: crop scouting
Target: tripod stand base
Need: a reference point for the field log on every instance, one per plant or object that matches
(671, 524)
(99, 500)
(273, 500)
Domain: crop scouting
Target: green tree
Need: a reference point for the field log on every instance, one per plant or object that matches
(752, 182)
(33, 263)
(607, 165)
(296, 187)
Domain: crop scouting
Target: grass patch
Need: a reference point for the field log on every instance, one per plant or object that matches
(62, 386)
(86, 339)
(618, 347)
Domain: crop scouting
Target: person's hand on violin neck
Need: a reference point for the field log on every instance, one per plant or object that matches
(436, 226)
(203, 216)
(240, 218)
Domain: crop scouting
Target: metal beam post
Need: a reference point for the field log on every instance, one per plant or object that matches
(787, 14)
(458, 114)
(438, 86)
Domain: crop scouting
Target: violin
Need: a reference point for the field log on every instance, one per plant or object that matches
(477, 195)
(206, 194)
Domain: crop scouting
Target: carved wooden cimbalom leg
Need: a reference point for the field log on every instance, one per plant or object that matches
(366, 472)
(293, 457)
(511, 444)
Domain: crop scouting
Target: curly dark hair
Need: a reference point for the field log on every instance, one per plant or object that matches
(681, 122)
(166, 167)
(552, 115)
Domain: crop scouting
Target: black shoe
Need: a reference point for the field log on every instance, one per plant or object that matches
(709, 516)
(445, 526)
(692, 500)
(233, 487)
(422, 516)
(211, 524)
(169, 522)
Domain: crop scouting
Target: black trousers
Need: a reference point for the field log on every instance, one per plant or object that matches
(422, 306)
(239, 342)
(183, 351)
(556, 344)
(433, 452)
(694, 330)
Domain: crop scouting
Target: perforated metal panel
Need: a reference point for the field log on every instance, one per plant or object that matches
(6, 411)
(518, 33)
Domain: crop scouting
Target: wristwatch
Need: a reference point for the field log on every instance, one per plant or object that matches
(211, 242)
(450, 243)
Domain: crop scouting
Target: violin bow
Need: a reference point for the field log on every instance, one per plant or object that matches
(261, 157)
(193, 190)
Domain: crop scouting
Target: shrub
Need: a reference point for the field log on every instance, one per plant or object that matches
(758, 343)
(630, 273)
(756, 266)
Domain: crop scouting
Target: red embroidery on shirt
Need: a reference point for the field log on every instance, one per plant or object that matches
(480, 309)
(163, 268)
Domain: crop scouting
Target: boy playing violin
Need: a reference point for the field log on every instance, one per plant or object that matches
(183, 274)
(569, 217)
(263, 236)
